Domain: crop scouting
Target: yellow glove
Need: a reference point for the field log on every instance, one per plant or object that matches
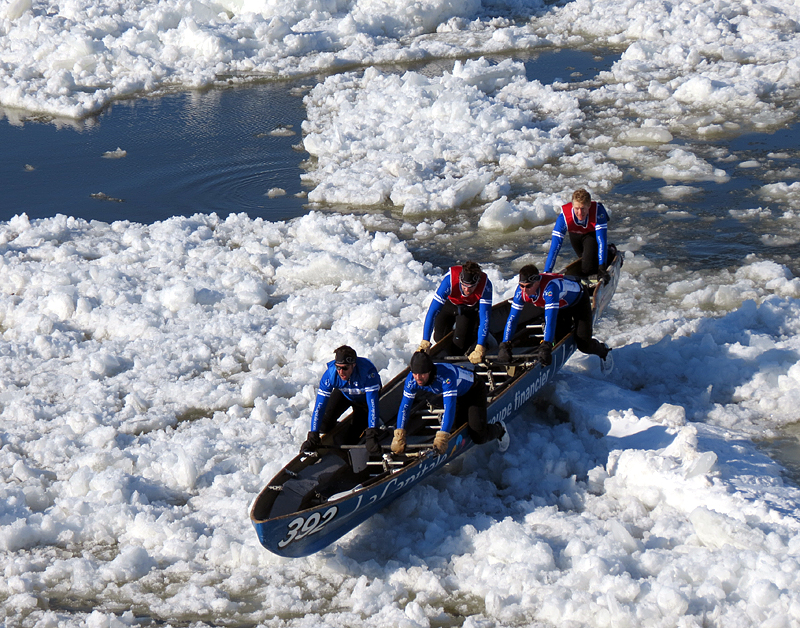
(440, 441)
(476, 357)
(399, 442)
(424, 346)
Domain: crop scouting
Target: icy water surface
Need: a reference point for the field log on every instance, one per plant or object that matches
(224, 151)
(240, 150)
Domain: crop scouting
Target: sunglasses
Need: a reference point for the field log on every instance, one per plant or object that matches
(343, 367)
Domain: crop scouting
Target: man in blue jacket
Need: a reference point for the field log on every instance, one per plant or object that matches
(464, 400)
(586, 222)
(348, 382)
(462, 303)
(565, 302)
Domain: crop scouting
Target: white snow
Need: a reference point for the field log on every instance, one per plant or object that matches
(153, 378)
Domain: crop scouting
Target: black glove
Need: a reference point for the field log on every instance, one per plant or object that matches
(545, 353)
(312, 442)
(504, 352)
(373, 446)
(603, 276)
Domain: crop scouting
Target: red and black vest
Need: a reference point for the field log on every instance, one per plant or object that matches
(456, 298)
(574, 227)
(546, 278)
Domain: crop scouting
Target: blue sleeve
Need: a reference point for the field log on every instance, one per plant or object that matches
(485, 312)
(373, 394)
(551, 299)
(409, 393)
(442, 292)
(601, 232)
(557, 239)
(513, 315)
(323, 394)
(449, 398)
(372, 405)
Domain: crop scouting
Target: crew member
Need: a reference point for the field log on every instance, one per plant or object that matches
(463, 397)
(565, 303)
(586, 221)
(463, 303)
(348, 382)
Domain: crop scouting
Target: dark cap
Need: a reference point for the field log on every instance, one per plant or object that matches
(468, 279)
(421, 363)
(528, 274)
(470, 273)
(345, 355)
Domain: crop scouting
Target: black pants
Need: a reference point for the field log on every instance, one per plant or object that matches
(471, 409)
(585, 246)
(579, 318)
(338, 404)
(463, 321)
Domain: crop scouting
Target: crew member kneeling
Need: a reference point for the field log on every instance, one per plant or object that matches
(565, 303)
(463, 396)
(348, 382)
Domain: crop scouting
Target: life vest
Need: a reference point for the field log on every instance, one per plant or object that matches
(456, 297)
(574, 227)
(546, 278)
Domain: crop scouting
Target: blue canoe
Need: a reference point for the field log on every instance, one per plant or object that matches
(316, 499)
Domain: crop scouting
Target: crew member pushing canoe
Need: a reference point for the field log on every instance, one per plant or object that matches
(462, 303)
(348, 382)
(565, 302)
(464, 399)
(586, 223)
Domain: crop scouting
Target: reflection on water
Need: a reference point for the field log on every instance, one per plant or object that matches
(223, 151)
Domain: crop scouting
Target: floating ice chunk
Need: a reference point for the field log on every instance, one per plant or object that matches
(178, 296)
(781, 192)
(502, 215)
(60, 305)
(675, 192)
(672, 602)
(115, 154)
(670, 415)
(132, 563)
(252, 389)
(681, 165)
(702, 465)
(646, 135)
(282, 131)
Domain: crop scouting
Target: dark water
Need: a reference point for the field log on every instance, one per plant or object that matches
(199, 152)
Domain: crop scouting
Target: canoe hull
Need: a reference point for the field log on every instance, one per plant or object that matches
(309, 531)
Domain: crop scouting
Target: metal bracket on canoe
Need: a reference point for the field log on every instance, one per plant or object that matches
(490, 377)
(434, 415)
(387, 463)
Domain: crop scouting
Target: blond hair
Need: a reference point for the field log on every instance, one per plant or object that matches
(582, 197)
